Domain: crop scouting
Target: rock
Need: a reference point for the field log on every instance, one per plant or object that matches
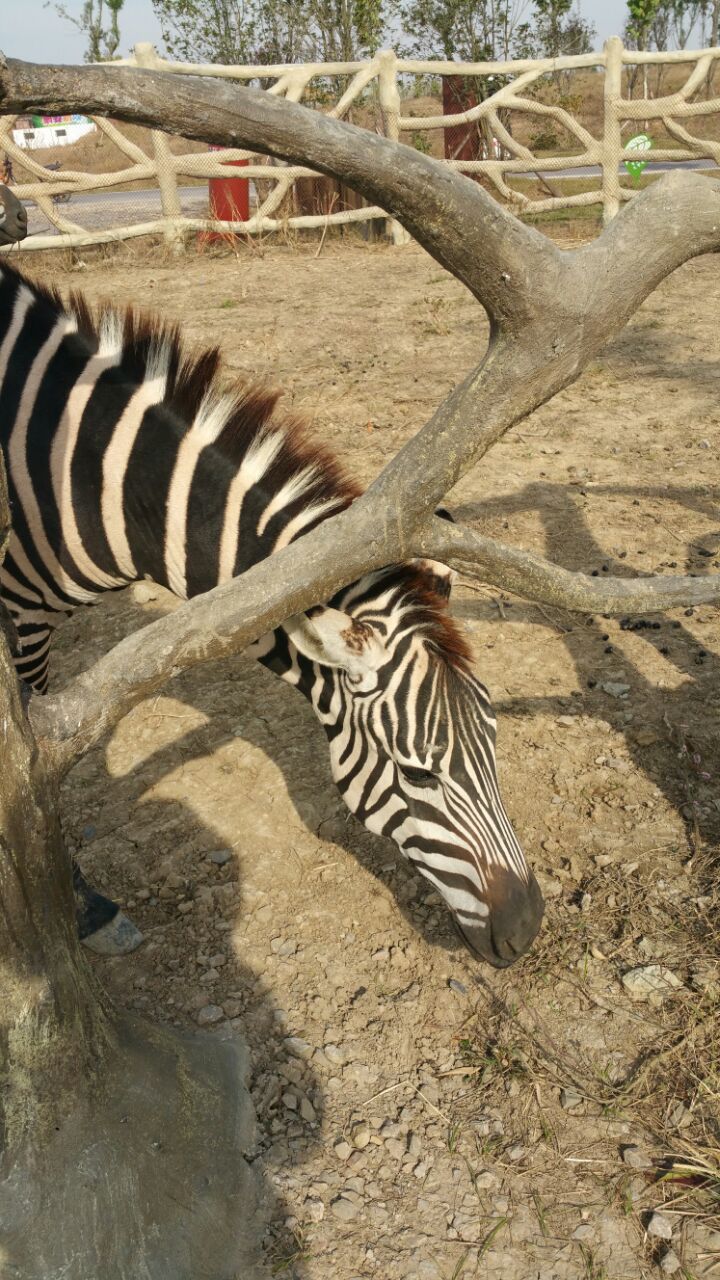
(516, 1153)
(283, 947)
(680, 1116)
(298, 1048)
(485, 1181)
(635, 1158)
(420, 1169)
(670, 1264)
(314, 1209)
(652, 982)
(220, 857)
(570, 1098)
(395, 1148)
(659, 1227)
(615, 688)
(209, 1014)
(360, 1135)
(342, 1149)
(334, 1054)
(344, 1209)
(307, 1110)
(454, 985)
(290, 1100)
(584, 1232)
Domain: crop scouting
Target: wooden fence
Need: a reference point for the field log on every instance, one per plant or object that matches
(383, 92)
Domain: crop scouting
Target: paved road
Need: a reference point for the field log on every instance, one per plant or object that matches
(97, 210)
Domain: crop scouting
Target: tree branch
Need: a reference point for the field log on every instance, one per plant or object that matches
(538, 579)
(215, 625)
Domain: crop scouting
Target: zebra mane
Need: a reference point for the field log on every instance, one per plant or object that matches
(235, 417)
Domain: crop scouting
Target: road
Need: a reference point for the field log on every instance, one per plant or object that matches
(98, 210)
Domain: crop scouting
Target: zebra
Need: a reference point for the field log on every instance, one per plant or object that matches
(13, 217)
(128, 458)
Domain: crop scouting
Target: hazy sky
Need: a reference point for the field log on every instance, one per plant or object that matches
(31, 29)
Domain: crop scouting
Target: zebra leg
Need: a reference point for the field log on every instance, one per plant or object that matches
(102, 926)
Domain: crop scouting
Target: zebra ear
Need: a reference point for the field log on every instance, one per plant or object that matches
(334, 639)
(442, 577)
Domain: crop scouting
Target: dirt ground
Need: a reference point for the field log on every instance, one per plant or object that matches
(420, 1116)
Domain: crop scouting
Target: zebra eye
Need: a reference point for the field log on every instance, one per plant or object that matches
(418, 777)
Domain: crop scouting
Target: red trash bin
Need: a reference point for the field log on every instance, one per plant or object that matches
(229, 200)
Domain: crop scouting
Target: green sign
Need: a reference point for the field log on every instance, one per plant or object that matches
(641, 142)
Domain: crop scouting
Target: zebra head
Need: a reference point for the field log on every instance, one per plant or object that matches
(13, 217)
(412, 745)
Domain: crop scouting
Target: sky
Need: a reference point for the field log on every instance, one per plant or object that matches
(32, 30)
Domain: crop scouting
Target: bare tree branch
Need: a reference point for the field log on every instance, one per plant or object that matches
(538, 579)
(215, 625)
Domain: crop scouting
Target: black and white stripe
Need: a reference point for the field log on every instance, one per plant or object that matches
(126, 459)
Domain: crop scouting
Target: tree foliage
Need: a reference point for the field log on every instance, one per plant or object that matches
(666, 24)
(99, 21)
(270, 31)
(559, 30)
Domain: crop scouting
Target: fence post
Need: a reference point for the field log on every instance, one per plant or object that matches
(612, 135)
(145, 56)
(390, 107)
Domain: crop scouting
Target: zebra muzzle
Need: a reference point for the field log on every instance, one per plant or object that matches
(507, 933)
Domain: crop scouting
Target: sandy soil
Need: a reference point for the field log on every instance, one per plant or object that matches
(483, 1118)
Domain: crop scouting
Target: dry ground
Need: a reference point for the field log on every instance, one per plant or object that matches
(462, 1157)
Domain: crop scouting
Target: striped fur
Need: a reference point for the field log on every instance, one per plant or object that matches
(126, 458)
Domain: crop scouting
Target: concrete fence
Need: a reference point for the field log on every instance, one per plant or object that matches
(382, 91)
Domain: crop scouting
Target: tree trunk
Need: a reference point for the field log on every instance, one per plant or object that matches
(120, 1144)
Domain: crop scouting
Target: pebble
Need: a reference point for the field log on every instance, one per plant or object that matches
(659, 1227)
(454, 985)
(420, 1169)
(680, 1116)
(208, 1014)
(395, 1148)
(334, 1054)
(344, 1209)
(220, 857)
(314, 1209)
(283, 946)
(584, 1232)
(360, 1135)
(307, 1110)
(615, 688)
(652, 983)
(570, 1098)
(297, 1047)
(342, 1149)
(635, 1158)
(670, 1264)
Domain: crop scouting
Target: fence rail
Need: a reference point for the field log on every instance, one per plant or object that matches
(373, 88)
